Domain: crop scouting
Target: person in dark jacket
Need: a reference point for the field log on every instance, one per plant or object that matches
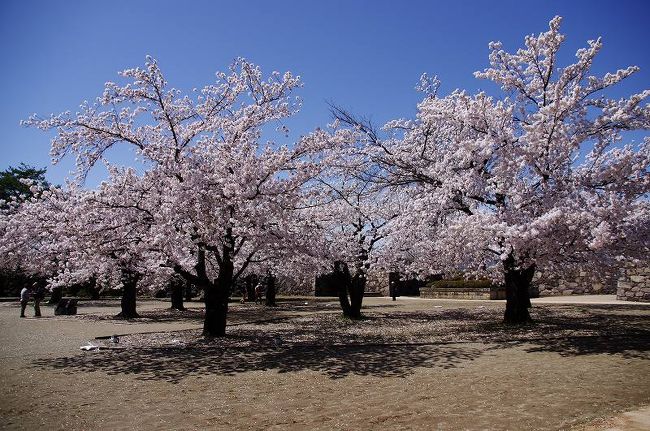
(39, 295)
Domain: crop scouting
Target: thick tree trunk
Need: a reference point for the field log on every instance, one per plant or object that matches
(342, 281)
(216, 311)
(517, 282)
(270, 291)
(94, 293)
(177, 295)
(216, 300)
(357, 288)
(344, 301)
(92, 289)
(130, 283)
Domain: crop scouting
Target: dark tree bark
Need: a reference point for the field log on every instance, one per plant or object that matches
(270, 290)
(343, 280)
(350, 290)
(517, 282)
(94, 293)
(92, 289)
(129, 280)
(217, 294)
(188, 290)
(216, 311)
(357, 289)
(177, 294)
(216, 302)
(55, 297)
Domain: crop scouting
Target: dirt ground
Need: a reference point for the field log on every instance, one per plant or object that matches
(410, 364)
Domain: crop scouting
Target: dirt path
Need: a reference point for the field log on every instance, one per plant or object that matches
(409, 365)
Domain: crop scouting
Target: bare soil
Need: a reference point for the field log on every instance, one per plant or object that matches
(409, 364)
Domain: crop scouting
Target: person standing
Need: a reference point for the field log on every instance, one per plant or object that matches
(259, 293)
(39, 295)
(24, 299)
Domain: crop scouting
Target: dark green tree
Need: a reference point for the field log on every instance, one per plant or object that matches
(10, 181)
(13, 279)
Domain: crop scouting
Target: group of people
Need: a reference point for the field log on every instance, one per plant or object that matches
(258, 293)
(37, 293)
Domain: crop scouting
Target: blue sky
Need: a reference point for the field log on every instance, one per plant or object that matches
(366, 56)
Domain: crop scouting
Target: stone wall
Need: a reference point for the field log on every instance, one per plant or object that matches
(495, 292)
(581, 283)
(634, 284)
(377, 281)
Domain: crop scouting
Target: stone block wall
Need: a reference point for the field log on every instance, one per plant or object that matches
(377, 281)
(580, 283)
(634, 284)
(495, 292)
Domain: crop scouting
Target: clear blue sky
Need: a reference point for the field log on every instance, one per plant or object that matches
(364, 55)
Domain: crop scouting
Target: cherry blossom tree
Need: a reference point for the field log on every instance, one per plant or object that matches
(76, 235)
(351, 211)
(112, 229)
(26, 230)
(15, 186)
(214, 202)
(540, 178)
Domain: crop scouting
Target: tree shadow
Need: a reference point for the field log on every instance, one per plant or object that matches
(251, 351)
(567, 330)
(162, 315)
(634, 345)
(596, 329)
(385, 344)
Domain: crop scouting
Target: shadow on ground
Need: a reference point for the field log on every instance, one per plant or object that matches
(384, 344)
(173, 364)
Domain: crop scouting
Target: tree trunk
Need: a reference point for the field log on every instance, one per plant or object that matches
(55, 297)
(270, 290)
(92, 289)
(517, 282)
(177, 294)
(357, 288)
(130, 283)
(342, 281)
(216, 311)
(188, 291)
(216, 300)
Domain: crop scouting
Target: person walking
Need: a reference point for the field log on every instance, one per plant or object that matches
(24, 299)
(39, 295)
